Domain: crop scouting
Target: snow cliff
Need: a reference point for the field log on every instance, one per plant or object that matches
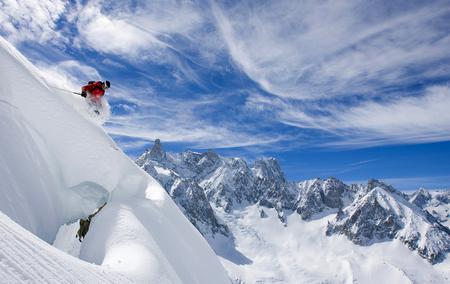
(57, 166)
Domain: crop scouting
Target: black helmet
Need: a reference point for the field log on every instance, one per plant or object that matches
(107, 84)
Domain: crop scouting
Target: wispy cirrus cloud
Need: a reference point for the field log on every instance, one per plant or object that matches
(311, 50)
(417, 119)
(413, 119)
(366, 73)
(145, 115)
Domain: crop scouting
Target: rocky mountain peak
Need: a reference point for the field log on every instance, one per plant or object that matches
(268, 168)
(382, 215)
(157, 152)
(437, 203)
(318, 195)
(420, 198)
(373, 183)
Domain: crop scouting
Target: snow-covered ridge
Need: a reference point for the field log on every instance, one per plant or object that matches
(56, 166)
(437, 203)
(382, 215)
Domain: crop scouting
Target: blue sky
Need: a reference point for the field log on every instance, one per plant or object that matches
(350, 89)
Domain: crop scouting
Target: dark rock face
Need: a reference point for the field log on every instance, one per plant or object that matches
(268, 169)
(443, 197)
(421, 198)
(310, 201)
(368, 222)
(157, 153)
(436, 203)
(318, 195)
(190, 196)
(230, 184)
(186, 192)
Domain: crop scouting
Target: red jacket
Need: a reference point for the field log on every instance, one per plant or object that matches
(95, 89)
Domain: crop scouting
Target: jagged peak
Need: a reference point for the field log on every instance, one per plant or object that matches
(383, 197)
(209, 157)
(373, 183)
(211, 154)
(420, 197)
(268, 168)
(190, 157)
(237, 162)
(333, 180)
(157, 152)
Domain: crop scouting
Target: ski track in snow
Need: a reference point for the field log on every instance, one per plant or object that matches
(26, 258)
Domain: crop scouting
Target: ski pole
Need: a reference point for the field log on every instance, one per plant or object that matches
(76, 93)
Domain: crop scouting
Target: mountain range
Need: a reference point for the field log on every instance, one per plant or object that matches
(216, 193)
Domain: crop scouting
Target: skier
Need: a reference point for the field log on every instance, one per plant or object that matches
(94, 90)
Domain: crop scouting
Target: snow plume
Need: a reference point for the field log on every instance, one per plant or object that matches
(57, 167)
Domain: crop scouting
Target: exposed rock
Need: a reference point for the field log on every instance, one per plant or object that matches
(186, 192)
(436, 203)
(190, 196)
(317, 195)
(384, 214)
(420, 198)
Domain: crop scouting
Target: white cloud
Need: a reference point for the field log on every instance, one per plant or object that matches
(31, 20)
(106, 34)
(140, 30)
(174, 120)
(199, 136)
(414, 119)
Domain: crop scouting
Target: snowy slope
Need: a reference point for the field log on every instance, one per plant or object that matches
(56, 166)
(266, 251)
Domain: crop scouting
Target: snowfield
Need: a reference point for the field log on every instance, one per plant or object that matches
(57, 166)
(266, 251)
